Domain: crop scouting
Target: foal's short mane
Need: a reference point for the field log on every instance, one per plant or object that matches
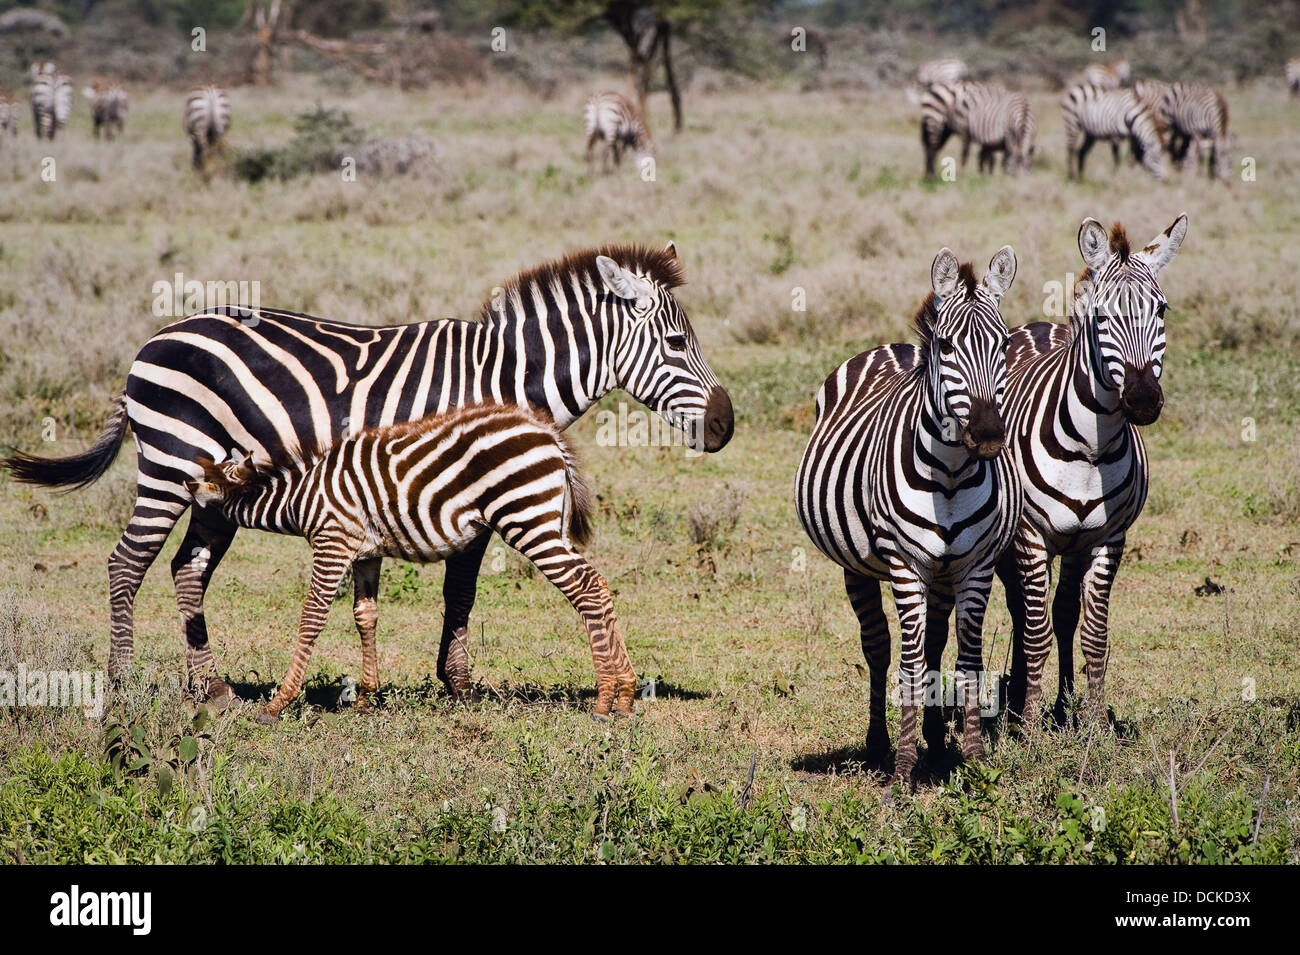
(659, 265)
(927, 314)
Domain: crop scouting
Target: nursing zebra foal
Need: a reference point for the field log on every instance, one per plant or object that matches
(51, 100)
(557, 338)
(998, 119)
(1197, 113)
(903, 481)
(207, 118)
(422, 491)
(1075, 400)
(108, 106)
(613, 119)
(1113, 116)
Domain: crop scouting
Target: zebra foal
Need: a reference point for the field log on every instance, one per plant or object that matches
(206, 120)
(1076, 398)
(613, 119)
(422, 491)
(51, 100)
(904, 481)
(108, 106)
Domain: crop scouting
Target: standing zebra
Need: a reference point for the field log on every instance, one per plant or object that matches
(943, 114)
(557, 338)
(1292, 73)
(1198, 113)
(1107, 76)
(108, 106)
(422, 491)
(903, 481)
(51, 100)
(1076, 397)
(1114, 116)
(998, 119)
(9, 111)
(207, 118)
(613, 119)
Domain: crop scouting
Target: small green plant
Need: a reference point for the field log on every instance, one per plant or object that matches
(131, 753)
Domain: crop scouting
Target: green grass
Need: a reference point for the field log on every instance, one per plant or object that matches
(744, 628)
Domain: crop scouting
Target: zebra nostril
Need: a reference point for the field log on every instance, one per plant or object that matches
(719, 420)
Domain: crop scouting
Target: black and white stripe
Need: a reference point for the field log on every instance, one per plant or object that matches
(1107, 76)
(9, 113)
(904, 480)
(614, 120)
(207, 118)
(51, 100)
(1076, 397)
(948, 69)
(424, 491)
(943, 114)
(1197, 114)
(998, 119)
(1112, 116)
(556, 338)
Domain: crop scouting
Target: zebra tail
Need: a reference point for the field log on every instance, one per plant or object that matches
(76, 470)
(579, 497)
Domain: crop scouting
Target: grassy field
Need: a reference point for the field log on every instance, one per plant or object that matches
(743, 627)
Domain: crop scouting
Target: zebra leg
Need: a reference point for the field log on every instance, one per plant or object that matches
(864, 595)
(206, 541)
(365, 611)
(1009, 574)
(1114, 153)
(1033, 571)
(459, 588)
(1065, 619)
(910, 599)
(131, 559)
(586, 589)
(972, 601)
(1084, 149)
(1094, 635)
(1071, 143)
(934, 728)
(331, 557)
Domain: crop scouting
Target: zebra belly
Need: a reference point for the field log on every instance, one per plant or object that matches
(1085, 507)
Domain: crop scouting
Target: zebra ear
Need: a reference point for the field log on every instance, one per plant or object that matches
(1002, 271)
(671, 248)
(1094, 246)
(943, 274)
(1160, 251)
(621, 281)
(203, 492)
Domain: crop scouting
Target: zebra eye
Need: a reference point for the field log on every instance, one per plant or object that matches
(676, 342)
(946, 347)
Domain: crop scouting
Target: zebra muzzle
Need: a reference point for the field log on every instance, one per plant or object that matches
(1142, 397)
(985, 434)
(719, 420)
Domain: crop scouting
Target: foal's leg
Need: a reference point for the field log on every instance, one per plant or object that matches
(365, 611)
(331, 557)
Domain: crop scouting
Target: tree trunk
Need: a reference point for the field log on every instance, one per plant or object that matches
(664, 40)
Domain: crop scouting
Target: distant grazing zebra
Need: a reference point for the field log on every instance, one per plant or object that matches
(943, 114)
(944, 70)
(207, 118)
(1114, 116)
(998, 119)
(9, 112)
(904, 481)
(1292, 73)
(1107, 76)
(51, 100)
(557, 338)
(1198, 113)
(1076, 396)
(108, 106)
(613, 119)
(422, 491)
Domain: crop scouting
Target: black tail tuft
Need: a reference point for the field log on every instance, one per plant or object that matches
(76, 470)
(581, 499)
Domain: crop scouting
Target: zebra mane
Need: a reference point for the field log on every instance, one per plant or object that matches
(659, 265)
(927, 314)
(1119, 241)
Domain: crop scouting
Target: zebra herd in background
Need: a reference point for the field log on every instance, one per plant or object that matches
(1152, 117)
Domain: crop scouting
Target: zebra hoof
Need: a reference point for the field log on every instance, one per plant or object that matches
(268, 719)
(600, 717)
(623, 714)
(221, 695)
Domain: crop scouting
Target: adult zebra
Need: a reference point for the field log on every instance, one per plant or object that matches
(108, 106)
(422, 490)
(51, 100)
(613, 119)
(556, 337)
(1076, 397)
(943, 114)
(207, 118)
(1114, 116)
(998, 119)
(903, 481)
(948, 69)
(1195, 113)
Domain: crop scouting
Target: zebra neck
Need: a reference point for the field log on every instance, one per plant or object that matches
(273, 506)
(936, 445)
(560, 356)
(1092, 401)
